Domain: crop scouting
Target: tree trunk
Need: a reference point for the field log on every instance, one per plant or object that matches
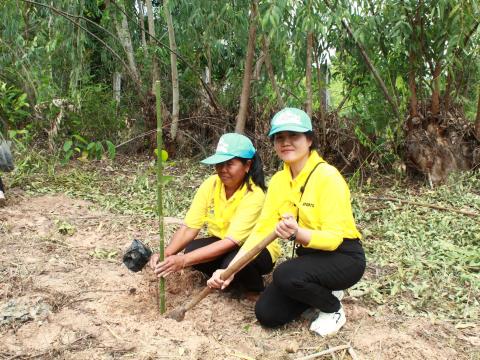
(477, 120)
(151, 32)
(321, 88)
(117, 86)
(436, 89)
(271, 74)
(242, 112)
(308, 74)
(141, 12)
(372, 68)
(173, 64)
(412, 85)
(126, 40)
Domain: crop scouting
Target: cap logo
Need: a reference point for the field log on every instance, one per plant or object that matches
(287, 118)
(222, 146)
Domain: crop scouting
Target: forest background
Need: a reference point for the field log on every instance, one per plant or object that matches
(393, 89)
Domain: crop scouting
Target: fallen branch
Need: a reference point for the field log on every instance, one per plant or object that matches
(352, 353)
(437, 207)
(325, 352)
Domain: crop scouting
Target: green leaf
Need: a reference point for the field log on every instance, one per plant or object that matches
(67, 146)
(164, 154)
(111, 149)
(166, 179)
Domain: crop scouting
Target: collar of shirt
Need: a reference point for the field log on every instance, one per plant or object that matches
(291, 203)
(225, 208)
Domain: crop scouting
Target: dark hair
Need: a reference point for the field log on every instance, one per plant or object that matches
(255, 173)
(310, 136)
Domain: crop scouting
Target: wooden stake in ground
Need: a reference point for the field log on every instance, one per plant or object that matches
(161, 281)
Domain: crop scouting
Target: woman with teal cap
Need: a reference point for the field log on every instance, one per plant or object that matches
(307, 203)
(229, 204)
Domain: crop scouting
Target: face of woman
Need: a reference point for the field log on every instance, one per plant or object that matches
(291, 146)
(232, 172)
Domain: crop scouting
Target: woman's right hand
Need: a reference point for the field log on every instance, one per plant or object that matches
(215, 282)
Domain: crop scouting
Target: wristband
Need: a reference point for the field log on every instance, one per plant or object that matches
(293, 237)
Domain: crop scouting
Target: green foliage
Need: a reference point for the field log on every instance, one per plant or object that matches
(87, 150)
(422, 260)
(13, 106)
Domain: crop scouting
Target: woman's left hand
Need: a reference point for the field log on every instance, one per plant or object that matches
(286, 227)
(170, 265)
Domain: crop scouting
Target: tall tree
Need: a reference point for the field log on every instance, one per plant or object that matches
(173, 66)
(243, 109)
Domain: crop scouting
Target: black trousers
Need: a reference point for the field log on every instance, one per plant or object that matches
(2, 187)
(308, 280)
(249, 278)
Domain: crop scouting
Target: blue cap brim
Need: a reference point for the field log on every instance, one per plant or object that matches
(288, 127)
(217, 159)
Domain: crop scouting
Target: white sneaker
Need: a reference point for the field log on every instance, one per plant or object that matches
(339, 294)
(2, 198)
(329, 323)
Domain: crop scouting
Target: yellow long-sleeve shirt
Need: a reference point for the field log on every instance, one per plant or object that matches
(234, 218)
(324, 206)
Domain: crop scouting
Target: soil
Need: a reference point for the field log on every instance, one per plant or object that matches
(65, 294)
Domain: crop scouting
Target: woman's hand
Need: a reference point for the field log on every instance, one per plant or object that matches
(153, 260)
(215, 282)
(170, 265)
(286, 227)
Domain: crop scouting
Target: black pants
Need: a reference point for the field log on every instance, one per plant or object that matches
(249, 278)
(2, 187)
(308, 280)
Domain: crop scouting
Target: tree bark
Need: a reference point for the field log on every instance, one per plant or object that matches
(117, 86)
(126, 40)
(242, 112)
(436, 88)
(372, 68)
(173, 65)
(308, 74)
(271, 74)
(142, 24)
(477, 120)
(151, 32)
(322, 108)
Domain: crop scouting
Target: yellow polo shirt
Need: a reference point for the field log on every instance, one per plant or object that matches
(324, 207)
(234, 218)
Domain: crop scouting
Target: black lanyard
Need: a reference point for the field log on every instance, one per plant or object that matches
(302, 190)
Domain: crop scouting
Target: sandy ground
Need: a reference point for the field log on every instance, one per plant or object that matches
(65, 294)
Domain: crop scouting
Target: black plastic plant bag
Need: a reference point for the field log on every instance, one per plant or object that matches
(136, 256)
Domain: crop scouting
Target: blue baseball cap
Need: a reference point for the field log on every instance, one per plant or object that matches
(229, 146)
(290, 119)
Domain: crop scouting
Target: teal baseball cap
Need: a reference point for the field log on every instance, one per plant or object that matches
(290, 119)
(229, 146)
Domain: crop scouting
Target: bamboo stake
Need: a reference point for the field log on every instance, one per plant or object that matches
(161, 281)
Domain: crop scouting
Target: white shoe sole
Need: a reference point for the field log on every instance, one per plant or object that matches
(2, 199)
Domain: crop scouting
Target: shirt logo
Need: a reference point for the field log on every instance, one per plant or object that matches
(306, 204)
(287, 118)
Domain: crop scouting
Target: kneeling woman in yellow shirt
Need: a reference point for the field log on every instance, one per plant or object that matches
(308, 202)
(229, 204)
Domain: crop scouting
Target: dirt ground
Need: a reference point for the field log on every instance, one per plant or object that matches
(65, 294)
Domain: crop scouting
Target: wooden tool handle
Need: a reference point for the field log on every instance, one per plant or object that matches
(233, 268)
(248, 256)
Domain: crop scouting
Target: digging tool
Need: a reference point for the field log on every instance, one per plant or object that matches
(179, 313)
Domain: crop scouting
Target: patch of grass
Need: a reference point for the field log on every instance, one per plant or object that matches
(423, 260)
(420, 260)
